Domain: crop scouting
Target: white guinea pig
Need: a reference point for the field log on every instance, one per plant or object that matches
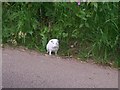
(52, 46)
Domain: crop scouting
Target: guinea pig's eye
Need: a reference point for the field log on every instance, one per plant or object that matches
(52, 42)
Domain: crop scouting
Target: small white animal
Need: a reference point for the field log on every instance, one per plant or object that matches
(52, 46)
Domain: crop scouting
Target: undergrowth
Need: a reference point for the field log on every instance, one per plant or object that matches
(88, 30)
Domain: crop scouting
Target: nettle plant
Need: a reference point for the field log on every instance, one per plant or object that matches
(85, 29)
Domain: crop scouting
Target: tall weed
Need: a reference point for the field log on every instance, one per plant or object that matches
(89, 30)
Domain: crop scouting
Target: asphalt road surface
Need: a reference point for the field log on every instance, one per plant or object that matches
(30, 69)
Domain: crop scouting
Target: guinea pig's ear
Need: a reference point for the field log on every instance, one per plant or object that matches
(57, 40)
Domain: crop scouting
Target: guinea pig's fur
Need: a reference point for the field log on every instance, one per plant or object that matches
(52, 46)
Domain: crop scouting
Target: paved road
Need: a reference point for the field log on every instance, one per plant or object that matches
(30, 69)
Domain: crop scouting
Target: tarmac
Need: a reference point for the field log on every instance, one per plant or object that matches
(30, 69)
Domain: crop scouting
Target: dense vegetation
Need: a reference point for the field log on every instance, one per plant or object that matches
(88, 30)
